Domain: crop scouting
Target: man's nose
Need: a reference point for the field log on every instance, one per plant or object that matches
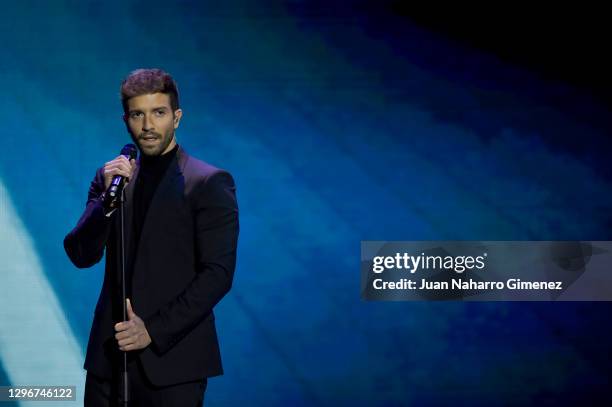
(147, 124)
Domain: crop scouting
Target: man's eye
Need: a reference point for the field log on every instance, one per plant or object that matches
(160, 112)
(135, 115)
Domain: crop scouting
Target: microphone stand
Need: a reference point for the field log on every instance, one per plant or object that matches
(129, 151)
(124, 373)
(110, 203)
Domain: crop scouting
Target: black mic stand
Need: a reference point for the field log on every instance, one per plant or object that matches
(124, 374)
(110, 203)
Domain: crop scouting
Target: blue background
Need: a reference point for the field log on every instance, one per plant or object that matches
(336, 131)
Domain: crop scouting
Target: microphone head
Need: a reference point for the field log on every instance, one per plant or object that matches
(129, 150)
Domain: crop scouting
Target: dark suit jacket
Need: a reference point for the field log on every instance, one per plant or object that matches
(183, 266)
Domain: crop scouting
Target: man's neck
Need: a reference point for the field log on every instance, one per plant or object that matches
(150, 161)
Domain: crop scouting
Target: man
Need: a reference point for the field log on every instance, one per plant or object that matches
(181, 232)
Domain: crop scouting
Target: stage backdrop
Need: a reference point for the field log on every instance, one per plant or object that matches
(338, 126)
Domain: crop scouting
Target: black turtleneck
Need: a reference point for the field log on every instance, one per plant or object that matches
(152, 170)
(150, 173)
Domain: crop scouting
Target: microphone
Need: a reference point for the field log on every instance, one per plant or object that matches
(129, 151)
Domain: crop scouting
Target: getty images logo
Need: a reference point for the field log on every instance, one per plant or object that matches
(404, 261)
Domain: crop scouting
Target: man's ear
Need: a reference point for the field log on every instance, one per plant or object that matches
(178, 113)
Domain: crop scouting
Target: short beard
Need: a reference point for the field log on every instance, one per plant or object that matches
(163, 147)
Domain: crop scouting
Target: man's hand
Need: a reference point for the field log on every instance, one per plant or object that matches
(119, 166)
(132, 334)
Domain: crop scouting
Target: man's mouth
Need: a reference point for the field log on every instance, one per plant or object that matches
(148, 137)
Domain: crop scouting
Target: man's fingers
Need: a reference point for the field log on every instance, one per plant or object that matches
(122, 163)
(117, 171)
(129, 332)
(122, 158)
(130, 311)
(123, 334)
(124, 326)
(127, 341)
(119, 166)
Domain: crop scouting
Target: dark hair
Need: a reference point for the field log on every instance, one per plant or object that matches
(147, 81)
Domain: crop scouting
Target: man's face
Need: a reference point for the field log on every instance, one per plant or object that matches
(151, 123)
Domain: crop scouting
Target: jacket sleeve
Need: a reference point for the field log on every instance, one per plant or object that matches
(85, 243)
(216, 238)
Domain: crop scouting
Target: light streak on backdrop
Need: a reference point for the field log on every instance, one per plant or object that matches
(37, 346)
